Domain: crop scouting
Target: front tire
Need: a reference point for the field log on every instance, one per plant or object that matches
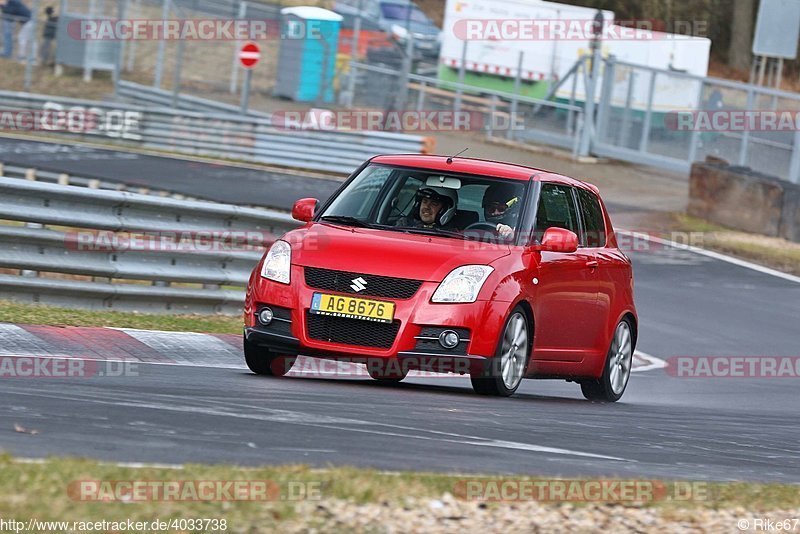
(262, 361)
(617, 371)
(503, 374)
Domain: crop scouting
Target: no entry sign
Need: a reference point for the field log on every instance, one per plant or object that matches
(249, 55)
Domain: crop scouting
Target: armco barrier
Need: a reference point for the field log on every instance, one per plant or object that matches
(209, 133)
(128, 277)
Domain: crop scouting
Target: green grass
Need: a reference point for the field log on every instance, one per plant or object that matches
(773, 252)
(15, 312)
(40, 490)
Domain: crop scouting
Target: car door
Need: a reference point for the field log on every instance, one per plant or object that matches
(565, 302)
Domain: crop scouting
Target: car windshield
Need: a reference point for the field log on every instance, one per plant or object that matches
(429, 202)
(400, 12)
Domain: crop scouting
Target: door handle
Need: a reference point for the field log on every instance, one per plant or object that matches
(592, 264)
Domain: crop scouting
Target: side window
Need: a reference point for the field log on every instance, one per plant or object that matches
(593, 221)
(556, 209)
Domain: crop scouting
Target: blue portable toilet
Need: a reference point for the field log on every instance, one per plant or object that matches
(307, 57)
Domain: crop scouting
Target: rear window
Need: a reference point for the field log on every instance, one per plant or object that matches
(594, 224)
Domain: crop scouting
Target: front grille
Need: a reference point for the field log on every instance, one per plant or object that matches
(351, 331)
(375, 286)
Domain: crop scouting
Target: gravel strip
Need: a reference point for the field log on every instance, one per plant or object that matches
(449, 514)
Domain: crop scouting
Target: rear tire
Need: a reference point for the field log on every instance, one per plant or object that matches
(262, 361)
(502, 375)
(617, 370)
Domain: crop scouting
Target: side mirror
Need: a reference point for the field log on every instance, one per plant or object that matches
(303, 210)
(558, 240)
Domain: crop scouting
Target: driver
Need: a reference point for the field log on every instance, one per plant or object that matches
(434, 207)
(498, 203)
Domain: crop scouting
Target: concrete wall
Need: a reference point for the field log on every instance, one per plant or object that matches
(745, 200)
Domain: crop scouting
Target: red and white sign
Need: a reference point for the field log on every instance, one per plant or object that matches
(249, 55)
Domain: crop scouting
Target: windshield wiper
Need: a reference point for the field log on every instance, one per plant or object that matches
(345, 219)
(431, 231)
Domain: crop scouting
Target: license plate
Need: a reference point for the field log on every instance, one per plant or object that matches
(352, 308)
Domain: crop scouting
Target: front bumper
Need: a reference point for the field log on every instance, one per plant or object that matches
(481, 321)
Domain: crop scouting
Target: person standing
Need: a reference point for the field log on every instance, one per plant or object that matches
(25, 37)
(13, 11)
(48, 35)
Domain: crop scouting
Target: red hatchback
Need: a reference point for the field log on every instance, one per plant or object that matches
(457, 265)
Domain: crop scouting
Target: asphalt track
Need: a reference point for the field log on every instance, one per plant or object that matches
(207, 408)
(204, 407)
(201, 179)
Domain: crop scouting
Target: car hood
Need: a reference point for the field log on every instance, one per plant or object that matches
(387, 253)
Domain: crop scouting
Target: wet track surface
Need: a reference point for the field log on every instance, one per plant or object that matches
(700, 428)
(204, 180)
(665, 426)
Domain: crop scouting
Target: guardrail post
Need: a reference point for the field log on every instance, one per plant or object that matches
(746, 134)
(24, 272)
(63, 179)
(30, 175)
(794, 164)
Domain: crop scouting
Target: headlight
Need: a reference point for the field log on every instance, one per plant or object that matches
(278, 262)
(400, 32)
(462, 284)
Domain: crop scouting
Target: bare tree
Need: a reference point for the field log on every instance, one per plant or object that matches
(739, 51)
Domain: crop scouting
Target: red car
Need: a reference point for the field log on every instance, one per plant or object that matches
(450, 264)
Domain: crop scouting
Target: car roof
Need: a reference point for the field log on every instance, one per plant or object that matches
(483, 167)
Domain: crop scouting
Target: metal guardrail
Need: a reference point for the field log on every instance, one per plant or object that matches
(127, 249)
(246, 138)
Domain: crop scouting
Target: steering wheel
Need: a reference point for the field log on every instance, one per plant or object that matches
(482, 225)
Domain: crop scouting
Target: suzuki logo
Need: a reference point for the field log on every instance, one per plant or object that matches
(359, 284)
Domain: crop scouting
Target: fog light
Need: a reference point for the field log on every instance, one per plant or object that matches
(265, 316)
(449, 339)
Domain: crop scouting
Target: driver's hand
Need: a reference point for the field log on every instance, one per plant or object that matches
(504, 231)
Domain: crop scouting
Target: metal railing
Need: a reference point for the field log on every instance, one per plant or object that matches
(638, 108)
(82, 247)
(237, 137)
(496, 114)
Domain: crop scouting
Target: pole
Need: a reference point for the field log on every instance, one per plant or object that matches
(248, 76)
(162, 46)
(517, 89)
(351, 77)
(132, 44)
(31, 51)
(461, 76)
(235, 65)
(588, 116)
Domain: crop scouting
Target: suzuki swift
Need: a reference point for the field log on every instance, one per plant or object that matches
(450, 264)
